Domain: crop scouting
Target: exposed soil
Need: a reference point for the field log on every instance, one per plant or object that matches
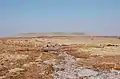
(59, 58)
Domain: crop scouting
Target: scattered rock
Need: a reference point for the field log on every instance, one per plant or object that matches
(42, 71)
(2, 77)
(35, 59)
(104, 65)
(117, 66)
(112, 45)
(80, 54)
(87, 72)
(46, 56)
(16, 70)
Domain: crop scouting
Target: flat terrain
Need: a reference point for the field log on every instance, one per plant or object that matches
(60, 57)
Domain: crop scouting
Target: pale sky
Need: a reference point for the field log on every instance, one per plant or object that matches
(89, 16)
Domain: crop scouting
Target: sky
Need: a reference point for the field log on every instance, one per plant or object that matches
(89, 16)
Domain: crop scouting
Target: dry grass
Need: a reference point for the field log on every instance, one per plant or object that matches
(23, 58)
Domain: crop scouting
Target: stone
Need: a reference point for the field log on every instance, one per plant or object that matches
(87, 72)
(80, 54)
(104, 65)
(117, 67)
(16, 70)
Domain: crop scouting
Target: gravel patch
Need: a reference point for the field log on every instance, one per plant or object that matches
(67, 69)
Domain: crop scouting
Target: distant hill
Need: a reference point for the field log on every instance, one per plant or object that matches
(59, 34)
(50, 34)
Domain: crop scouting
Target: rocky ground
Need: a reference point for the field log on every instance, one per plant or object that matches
(38, 58)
